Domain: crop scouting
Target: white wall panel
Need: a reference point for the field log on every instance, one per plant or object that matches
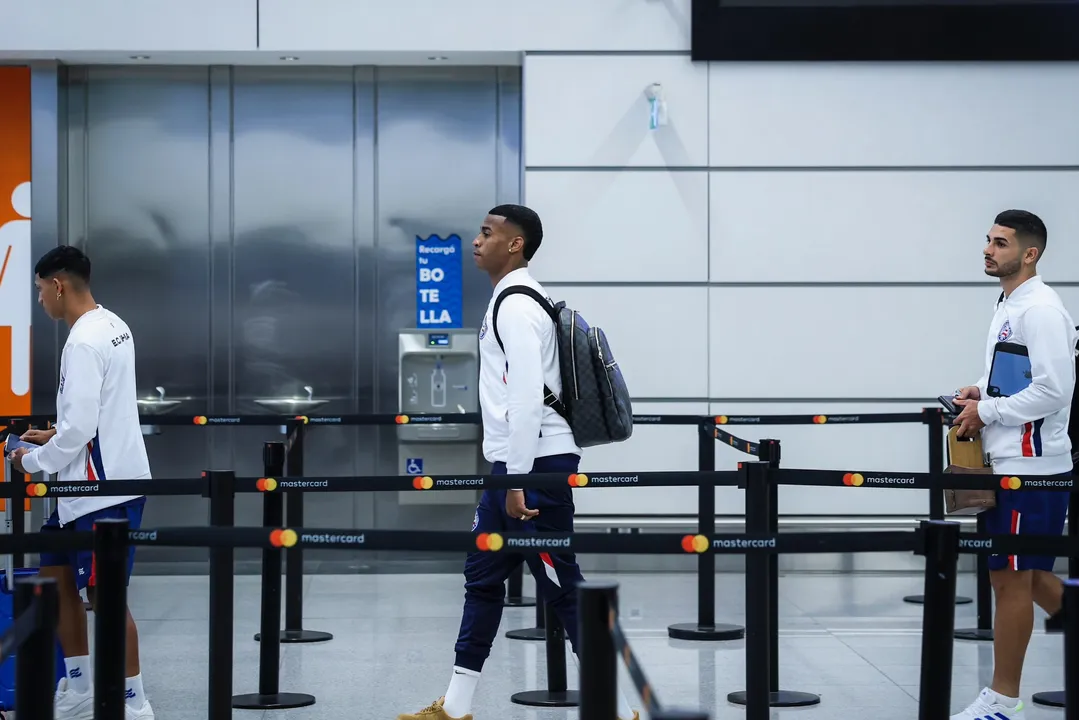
(867, 448)
(652, 448)
(136, 26)
(659, 336)
(594, 110)
(621, 226)
(442, 27)
(850, 342)
(834, 226)
(866, 114)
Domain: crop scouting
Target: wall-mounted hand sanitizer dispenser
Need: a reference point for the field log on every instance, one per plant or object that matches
(438, 372)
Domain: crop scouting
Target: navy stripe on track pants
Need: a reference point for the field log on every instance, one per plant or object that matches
(557, 576)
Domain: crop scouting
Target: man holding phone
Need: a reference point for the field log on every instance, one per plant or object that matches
(1023, 433)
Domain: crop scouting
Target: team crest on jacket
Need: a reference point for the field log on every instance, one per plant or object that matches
(1005, 331)
(483, 327)
(475, 521)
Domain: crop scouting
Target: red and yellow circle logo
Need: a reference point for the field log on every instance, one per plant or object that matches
(301, 418)
(36, 489)
(401, 419)
(721, 419)
(854, 479)
(1011, 483)
(200, 419)
(283, 538)
(266, 484)
(578, 480)
(423, 483)
(489, 542)
(820, 419)
(694, 543)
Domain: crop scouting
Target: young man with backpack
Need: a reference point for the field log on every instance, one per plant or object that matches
(531, 424)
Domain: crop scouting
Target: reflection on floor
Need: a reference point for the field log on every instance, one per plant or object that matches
(849, 638)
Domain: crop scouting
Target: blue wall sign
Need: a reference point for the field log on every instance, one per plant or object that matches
(438, 281)
(414, 466)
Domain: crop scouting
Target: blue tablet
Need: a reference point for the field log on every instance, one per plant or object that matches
(1010, 372)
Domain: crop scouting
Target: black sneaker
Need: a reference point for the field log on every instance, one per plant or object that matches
(1055, 623)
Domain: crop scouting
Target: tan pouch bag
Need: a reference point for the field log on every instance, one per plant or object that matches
(965, 457)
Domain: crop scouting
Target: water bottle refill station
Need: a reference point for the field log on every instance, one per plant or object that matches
(438, 372)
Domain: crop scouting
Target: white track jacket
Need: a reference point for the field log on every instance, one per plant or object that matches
(1028, 432)
(98, 436)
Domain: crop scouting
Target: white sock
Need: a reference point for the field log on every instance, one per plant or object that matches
(134, 695)
(459, 695)
(78, 673)
(625, 712)
(1006, 701)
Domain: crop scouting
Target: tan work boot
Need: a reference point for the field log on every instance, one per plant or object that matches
(434, 711)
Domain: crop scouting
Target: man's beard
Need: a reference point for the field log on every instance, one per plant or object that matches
(1004, 270)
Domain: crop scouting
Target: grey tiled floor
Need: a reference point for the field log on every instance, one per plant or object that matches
(850, 639)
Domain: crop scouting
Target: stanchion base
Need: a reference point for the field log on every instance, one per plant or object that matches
(547, 698)
(1051, 699)
(520, 602)
(277, 701)
(920, 600)
(300, 636)
(781, 698)
(974, 634)
(693, 631)
(527, 634)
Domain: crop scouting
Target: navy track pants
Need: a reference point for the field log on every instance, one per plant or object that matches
(557, 575)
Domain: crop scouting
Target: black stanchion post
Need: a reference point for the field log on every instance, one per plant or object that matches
(938, 619)
(1071, 649)
(770, 453)
(556, 694)
(757, 695)
(515, 596)
(984, 631)
(599, 664)
(933, 417)
(1055, 698)
(222, 485)
(110, 618)
(294, 632)
(706, 628)
(35, 661)
(539, 632)
(269, 696)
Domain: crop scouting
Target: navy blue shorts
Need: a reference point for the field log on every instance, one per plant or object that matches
(82, 561)
(1027, 512)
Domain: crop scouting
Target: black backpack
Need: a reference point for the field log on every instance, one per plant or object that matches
(595, 401)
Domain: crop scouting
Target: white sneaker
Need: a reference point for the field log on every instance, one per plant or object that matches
(143, 713)
(986, 707)
(71, 705)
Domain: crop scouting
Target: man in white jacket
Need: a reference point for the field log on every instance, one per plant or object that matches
(1024, 434)
(521, 435)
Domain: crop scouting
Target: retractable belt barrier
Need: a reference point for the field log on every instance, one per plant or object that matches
(277, 537)
(434, 483)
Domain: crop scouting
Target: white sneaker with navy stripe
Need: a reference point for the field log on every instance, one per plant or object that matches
(987, 707)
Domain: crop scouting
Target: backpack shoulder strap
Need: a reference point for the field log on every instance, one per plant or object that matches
(549, 398)
(520, 290)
